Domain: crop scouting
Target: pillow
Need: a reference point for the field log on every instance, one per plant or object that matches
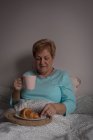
(76, 82)
(85, 105)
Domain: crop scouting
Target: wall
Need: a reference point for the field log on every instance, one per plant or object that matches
(68, 22)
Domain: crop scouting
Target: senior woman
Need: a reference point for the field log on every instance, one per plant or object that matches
(51, 84)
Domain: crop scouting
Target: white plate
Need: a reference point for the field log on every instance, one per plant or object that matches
(41, 118)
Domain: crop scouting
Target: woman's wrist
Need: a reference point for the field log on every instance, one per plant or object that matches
(60, 108)
(16, 95)
(16, 90)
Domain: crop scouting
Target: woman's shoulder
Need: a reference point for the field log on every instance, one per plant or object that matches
(61, 72)
(63, 76)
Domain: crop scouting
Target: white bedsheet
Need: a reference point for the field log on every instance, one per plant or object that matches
(72, 127)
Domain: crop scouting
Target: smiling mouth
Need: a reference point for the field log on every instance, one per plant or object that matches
(42, 66)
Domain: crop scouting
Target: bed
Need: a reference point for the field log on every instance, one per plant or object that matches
(76, 126)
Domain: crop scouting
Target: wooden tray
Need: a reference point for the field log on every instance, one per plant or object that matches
(10, 115)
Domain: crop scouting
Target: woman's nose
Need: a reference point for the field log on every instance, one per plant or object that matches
(42, 61)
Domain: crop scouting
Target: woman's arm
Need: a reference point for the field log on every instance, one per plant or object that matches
(16, 90)
(68, 101)
(60, 108)
(54, 108)
(68, 95)
(15, 95)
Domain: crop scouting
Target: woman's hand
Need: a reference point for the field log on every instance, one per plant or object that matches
(49, 109)
(18, 84)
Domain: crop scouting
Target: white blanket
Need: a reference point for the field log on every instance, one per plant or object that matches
(71, 127)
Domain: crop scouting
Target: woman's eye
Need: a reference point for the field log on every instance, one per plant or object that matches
(46, 58)
(37, 59)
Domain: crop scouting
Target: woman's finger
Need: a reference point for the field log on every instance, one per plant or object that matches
(45, 110)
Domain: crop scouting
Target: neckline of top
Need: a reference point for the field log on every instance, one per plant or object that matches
(44, 77)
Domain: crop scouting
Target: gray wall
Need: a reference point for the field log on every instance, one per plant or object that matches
(68, 22)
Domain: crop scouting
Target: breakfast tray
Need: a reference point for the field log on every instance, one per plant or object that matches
(10, 116)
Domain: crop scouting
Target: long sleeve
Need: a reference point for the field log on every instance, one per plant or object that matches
(68, 96)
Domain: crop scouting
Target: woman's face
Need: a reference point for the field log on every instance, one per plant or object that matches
(44, 62)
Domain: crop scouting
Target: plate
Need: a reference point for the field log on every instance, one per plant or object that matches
(37, 119)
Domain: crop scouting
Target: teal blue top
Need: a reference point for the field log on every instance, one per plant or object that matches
(57, 88)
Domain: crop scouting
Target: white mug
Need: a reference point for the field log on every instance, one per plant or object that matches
(29, 81)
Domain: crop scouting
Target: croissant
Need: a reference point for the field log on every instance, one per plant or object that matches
(27, 113)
